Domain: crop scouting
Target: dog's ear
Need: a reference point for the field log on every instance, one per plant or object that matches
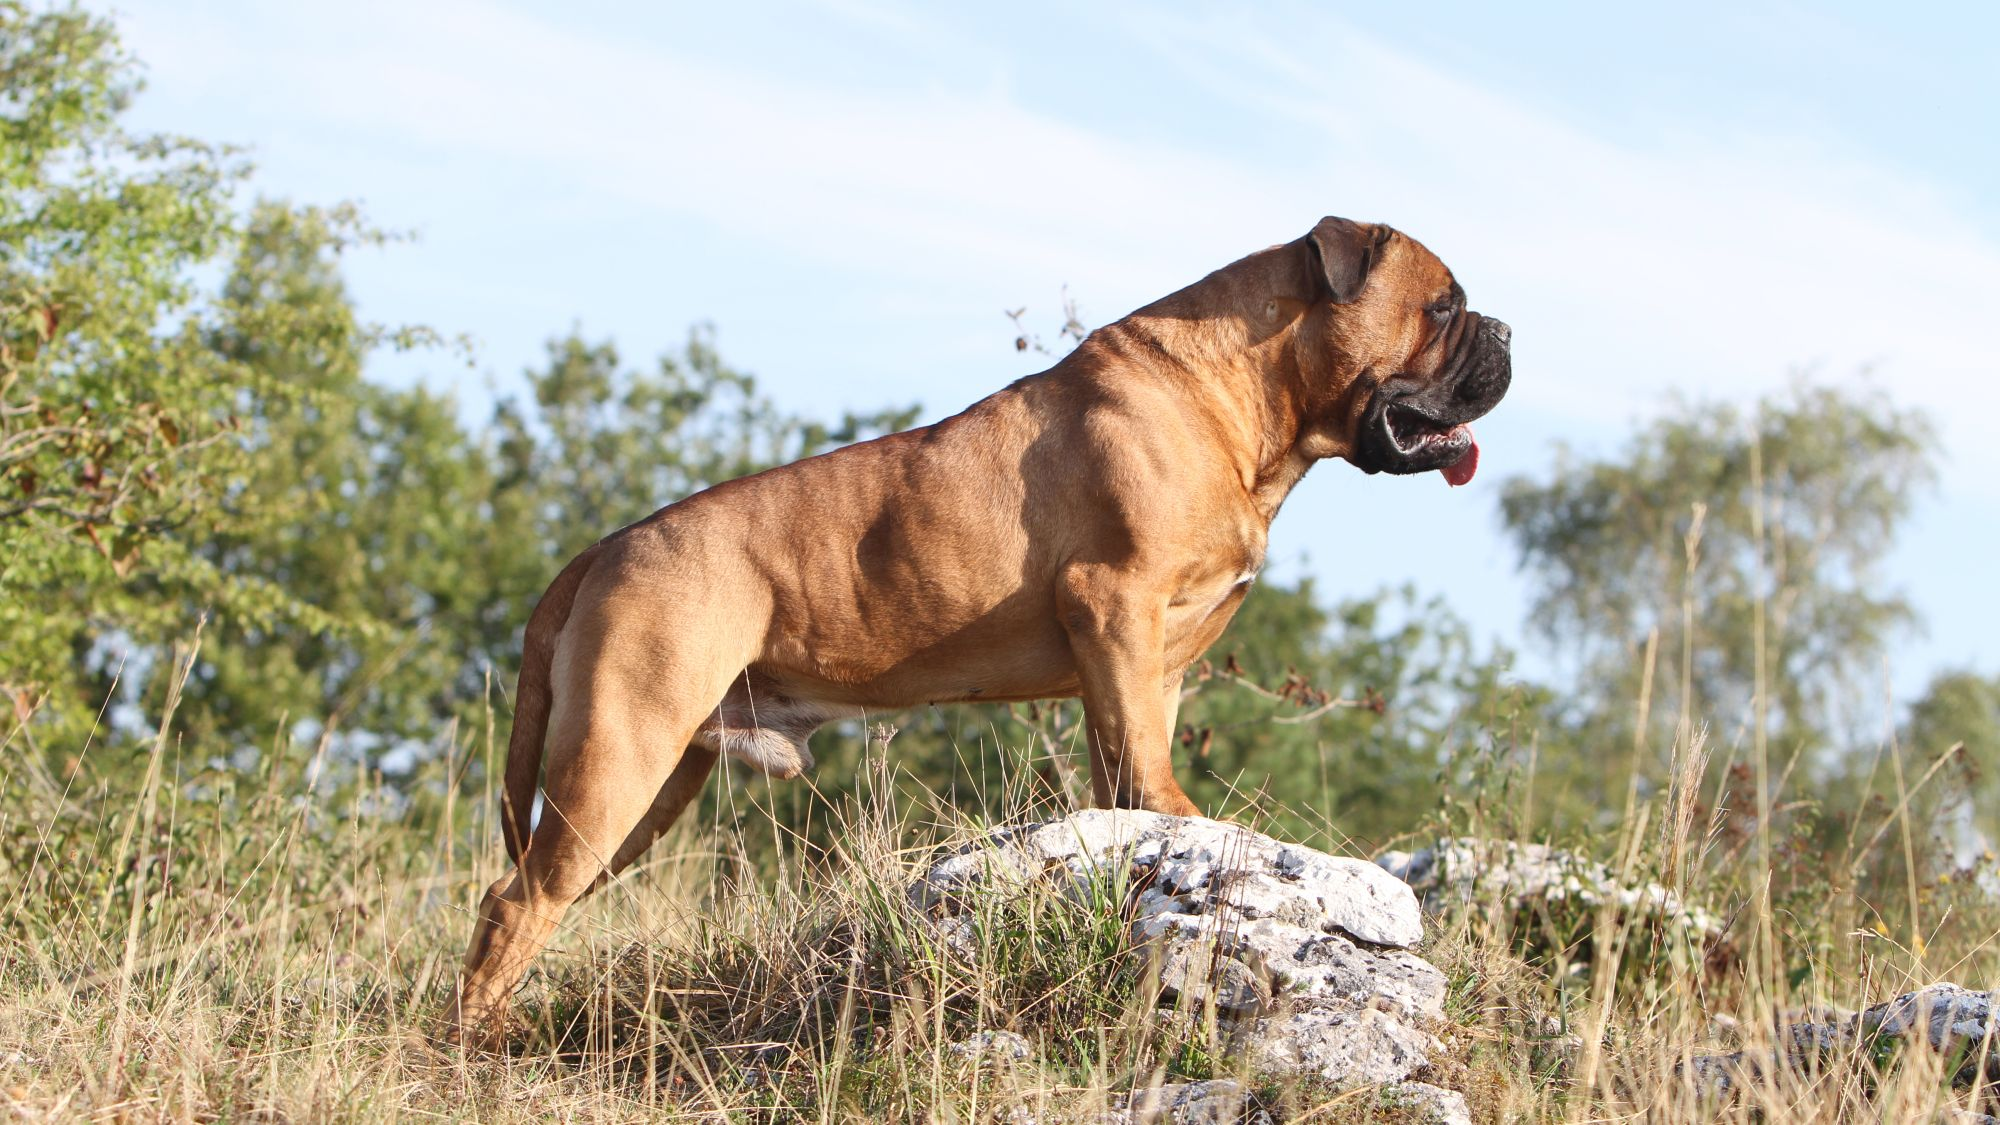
(1345, 251)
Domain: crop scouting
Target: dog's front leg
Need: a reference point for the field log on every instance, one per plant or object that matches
(1116, 630)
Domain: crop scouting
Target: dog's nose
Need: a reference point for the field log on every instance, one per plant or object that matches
(1501, 333)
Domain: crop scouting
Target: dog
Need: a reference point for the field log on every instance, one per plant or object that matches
(1087, 531)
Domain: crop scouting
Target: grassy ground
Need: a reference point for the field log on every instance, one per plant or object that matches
(202, 943)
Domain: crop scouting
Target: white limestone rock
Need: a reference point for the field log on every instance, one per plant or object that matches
(1304, 955)
(1469, 869)
(1218, 1101)
(1438, 1105)
(1196, 865)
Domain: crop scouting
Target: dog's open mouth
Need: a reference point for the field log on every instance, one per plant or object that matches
(1416, 434)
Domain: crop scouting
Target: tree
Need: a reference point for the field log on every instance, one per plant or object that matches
(157, 436)
(1343, 718)
(166, 452)
(118, 428)
(1959, 709)
(1743, 544)
(353, 512)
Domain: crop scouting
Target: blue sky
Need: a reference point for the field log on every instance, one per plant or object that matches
(1703, 201)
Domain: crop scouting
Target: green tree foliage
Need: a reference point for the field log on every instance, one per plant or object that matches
(1707, 519)
(1960, 709)
(1342, 719)
(168, 451)
(354, 505)
(158, 436)
(117, 420)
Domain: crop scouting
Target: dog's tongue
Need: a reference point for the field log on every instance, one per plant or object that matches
(1460, 471)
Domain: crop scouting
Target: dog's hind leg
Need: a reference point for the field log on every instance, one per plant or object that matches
(619, 763)
(682, 787)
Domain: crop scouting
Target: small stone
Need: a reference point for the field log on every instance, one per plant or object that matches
(1216, 1102)
(1438, 1105)
(993, 1046)
(1184, 856)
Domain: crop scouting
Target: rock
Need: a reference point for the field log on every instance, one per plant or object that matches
(1216, 1102)
(1193, 861)
(1472, 870)
(1206, 968)
(1343, 1043)
(993, 1046)
(1304, 955)
(1438, 1105)
(1957, 1023)
(1280, 959)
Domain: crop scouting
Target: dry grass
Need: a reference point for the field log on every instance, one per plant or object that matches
(207, 943)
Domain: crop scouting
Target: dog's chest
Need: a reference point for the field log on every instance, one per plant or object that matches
(1202, 607)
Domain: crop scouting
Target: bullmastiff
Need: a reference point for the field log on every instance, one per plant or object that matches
(1086, 531)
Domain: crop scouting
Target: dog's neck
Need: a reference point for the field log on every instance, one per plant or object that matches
(1284, 406)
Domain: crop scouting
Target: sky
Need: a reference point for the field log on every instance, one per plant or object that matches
(1705, 202)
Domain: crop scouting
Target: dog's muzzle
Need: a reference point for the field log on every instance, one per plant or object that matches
(1415, 425)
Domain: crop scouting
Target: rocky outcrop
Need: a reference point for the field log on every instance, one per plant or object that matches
(1554, 883)
(1958, 1024)
(1304, 956)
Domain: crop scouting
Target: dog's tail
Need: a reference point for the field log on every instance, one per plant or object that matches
(533, 698)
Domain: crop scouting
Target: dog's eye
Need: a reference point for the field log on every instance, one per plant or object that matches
(1441, 310)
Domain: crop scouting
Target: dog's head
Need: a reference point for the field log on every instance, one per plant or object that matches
(1417, 364)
